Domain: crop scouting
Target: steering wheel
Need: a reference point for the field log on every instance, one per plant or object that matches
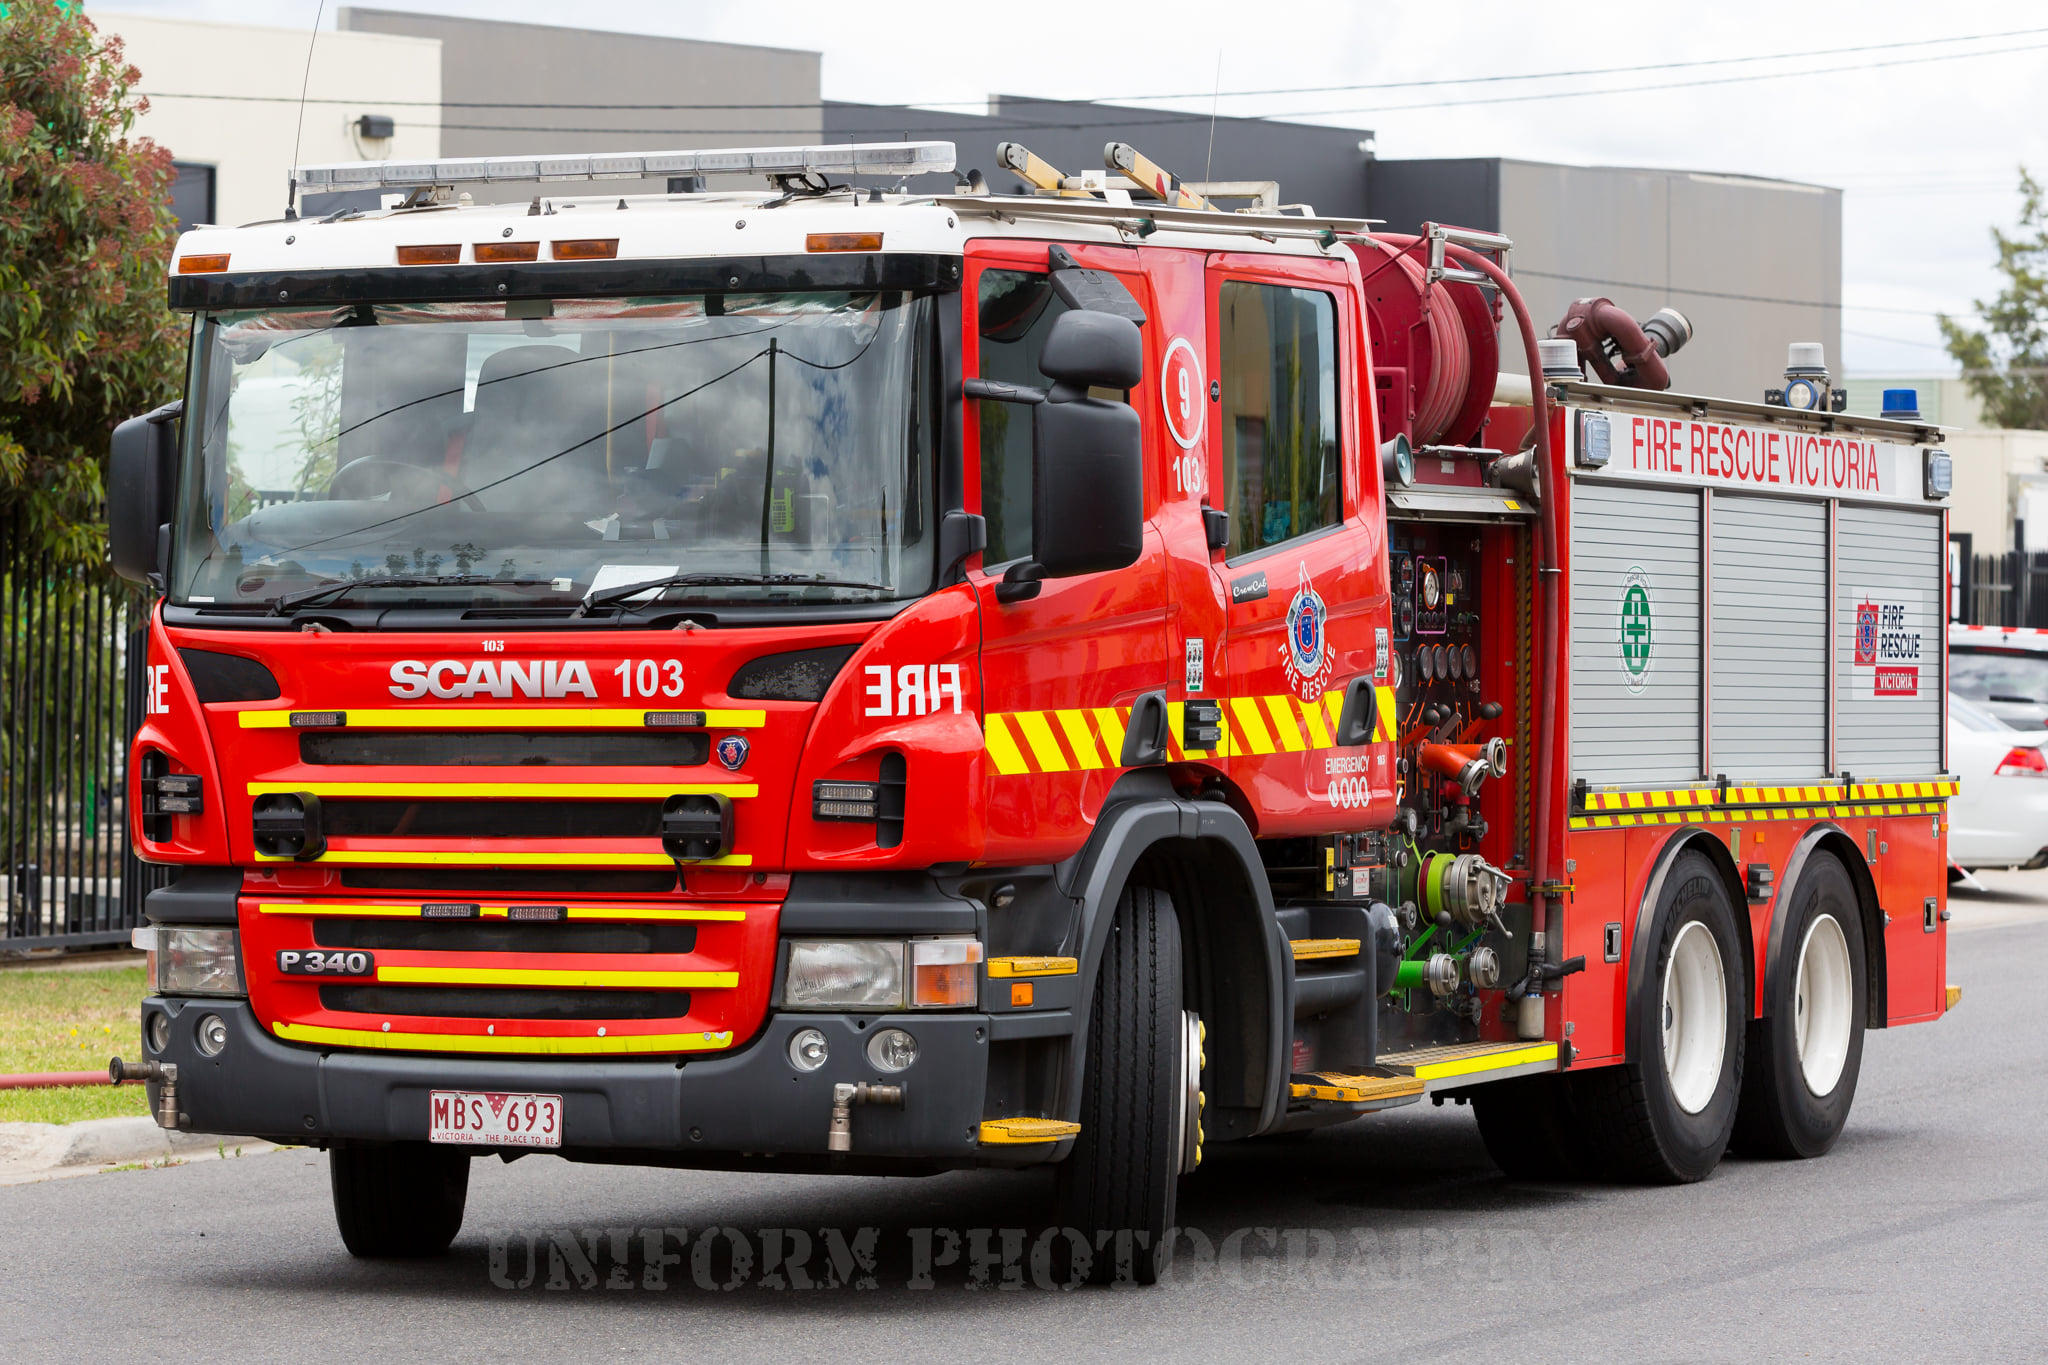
(356, 479)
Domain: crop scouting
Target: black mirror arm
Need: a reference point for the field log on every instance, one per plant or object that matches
(1001, 393)
(1021, 581)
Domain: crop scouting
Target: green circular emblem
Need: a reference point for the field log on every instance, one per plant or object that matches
(1635, 629)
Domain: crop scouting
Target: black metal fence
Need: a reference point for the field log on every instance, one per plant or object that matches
(71, 651)
(2008, 589)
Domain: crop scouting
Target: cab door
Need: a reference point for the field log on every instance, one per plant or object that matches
(1304, 571)
(1062, 669)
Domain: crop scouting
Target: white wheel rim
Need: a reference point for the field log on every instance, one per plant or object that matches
(1695, 1017)
(1823, 1005)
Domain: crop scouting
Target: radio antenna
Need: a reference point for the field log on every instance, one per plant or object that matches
(1208, 162)
(291, 194)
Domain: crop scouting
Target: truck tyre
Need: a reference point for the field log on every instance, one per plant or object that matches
(1804, 1055)
(1117, 1185)
(1529, 1127)
(1665, 1114)
(398, 1198)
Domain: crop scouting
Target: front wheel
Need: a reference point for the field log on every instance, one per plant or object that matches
(1118, 1184)
(1665, 1114)
(398, 1198)
(1807, 1051)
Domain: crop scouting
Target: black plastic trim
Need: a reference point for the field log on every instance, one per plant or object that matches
(924, 272)
(1097, 875)
(874, 903)
(200, 895)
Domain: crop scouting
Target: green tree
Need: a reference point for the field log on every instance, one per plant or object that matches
(2006, 364)
(86, 226)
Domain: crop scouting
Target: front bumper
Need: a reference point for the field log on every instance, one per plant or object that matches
(749, 1103)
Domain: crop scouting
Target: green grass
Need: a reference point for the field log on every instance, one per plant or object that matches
(69, 1021)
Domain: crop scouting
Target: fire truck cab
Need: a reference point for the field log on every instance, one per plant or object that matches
(832, 679)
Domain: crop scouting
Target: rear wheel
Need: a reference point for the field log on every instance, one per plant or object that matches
(1118, 1183)
(1806, 1052)
(398, 1198)
(1665, 1114)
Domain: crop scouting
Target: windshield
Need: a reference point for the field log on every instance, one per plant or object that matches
(769, 448)
(2020, 679)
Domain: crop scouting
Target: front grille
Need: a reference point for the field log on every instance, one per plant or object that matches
(457, 1003)
(484, 936)
(510, 881)
(508, 749)
(491, 819)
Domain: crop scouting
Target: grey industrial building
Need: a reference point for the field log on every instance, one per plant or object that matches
(1755, 263)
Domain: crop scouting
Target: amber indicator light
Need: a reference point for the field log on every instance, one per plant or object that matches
(587, 249)
(506, 253)
(843, 241)
(447, 254)
(202, 265)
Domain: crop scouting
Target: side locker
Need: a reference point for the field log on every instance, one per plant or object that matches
(1888, 606)
(1635, 636)
(1634, 661)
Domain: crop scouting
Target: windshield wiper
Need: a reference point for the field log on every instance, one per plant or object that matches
(292, 601)
(720, 580)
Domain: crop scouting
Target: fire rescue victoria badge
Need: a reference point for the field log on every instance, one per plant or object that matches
(1306, 651)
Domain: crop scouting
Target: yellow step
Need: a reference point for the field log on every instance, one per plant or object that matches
(1001, 967)
(1020, 1132)
(1457, 1061)
(1955, 996)
(1311, 949)
(1341, 1089)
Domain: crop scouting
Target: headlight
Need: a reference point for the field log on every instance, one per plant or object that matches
(190, 961)
(860, 974)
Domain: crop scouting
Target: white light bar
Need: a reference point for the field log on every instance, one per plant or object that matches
(855, 158)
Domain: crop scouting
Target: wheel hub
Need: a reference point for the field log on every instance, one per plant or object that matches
(1695, 1017)
(1827, 980)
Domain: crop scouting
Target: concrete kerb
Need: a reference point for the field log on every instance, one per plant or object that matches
(49, 1151)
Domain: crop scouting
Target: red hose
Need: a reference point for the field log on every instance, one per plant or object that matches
(43, 1080)
(1547, 574)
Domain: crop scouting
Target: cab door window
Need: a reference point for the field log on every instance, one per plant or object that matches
(1017, 309)
(1281, 463)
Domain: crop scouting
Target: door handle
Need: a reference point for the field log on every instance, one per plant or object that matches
(1145, 738)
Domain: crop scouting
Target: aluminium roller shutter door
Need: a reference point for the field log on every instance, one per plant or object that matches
(1768, 606)
(1635, 634)
(1888, 642)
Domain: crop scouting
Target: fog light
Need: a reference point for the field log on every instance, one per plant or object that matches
(892, 1049)
(808, 1049)
(159, 1032)
(943, 972)
(213, 1035)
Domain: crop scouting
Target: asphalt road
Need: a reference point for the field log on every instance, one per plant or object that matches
(1919, 1238)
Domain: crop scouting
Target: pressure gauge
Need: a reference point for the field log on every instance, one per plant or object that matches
(1432, 588)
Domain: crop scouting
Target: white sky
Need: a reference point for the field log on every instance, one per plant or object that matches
(1927, 152)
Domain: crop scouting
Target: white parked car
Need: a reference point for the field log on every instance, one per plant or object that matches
(1999, 817)
(2004, 671)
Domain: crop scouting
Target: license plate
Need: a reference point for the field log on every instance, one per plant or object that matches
(315, 962)
(493, 1119)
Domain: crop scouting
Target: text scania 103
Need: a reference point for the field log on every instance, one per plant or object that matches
(821, 679)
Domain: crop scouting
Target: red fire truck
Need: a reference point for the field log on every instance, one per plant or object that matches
(829, 679)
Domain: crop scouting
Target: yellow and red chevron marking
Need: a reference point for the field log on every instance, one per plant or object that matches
(1076, 739)
(1826, 794)
(1724, 815)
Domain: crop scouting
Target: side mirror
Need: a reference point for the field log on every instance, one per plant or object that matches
(142, 475)
(1087, 454)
